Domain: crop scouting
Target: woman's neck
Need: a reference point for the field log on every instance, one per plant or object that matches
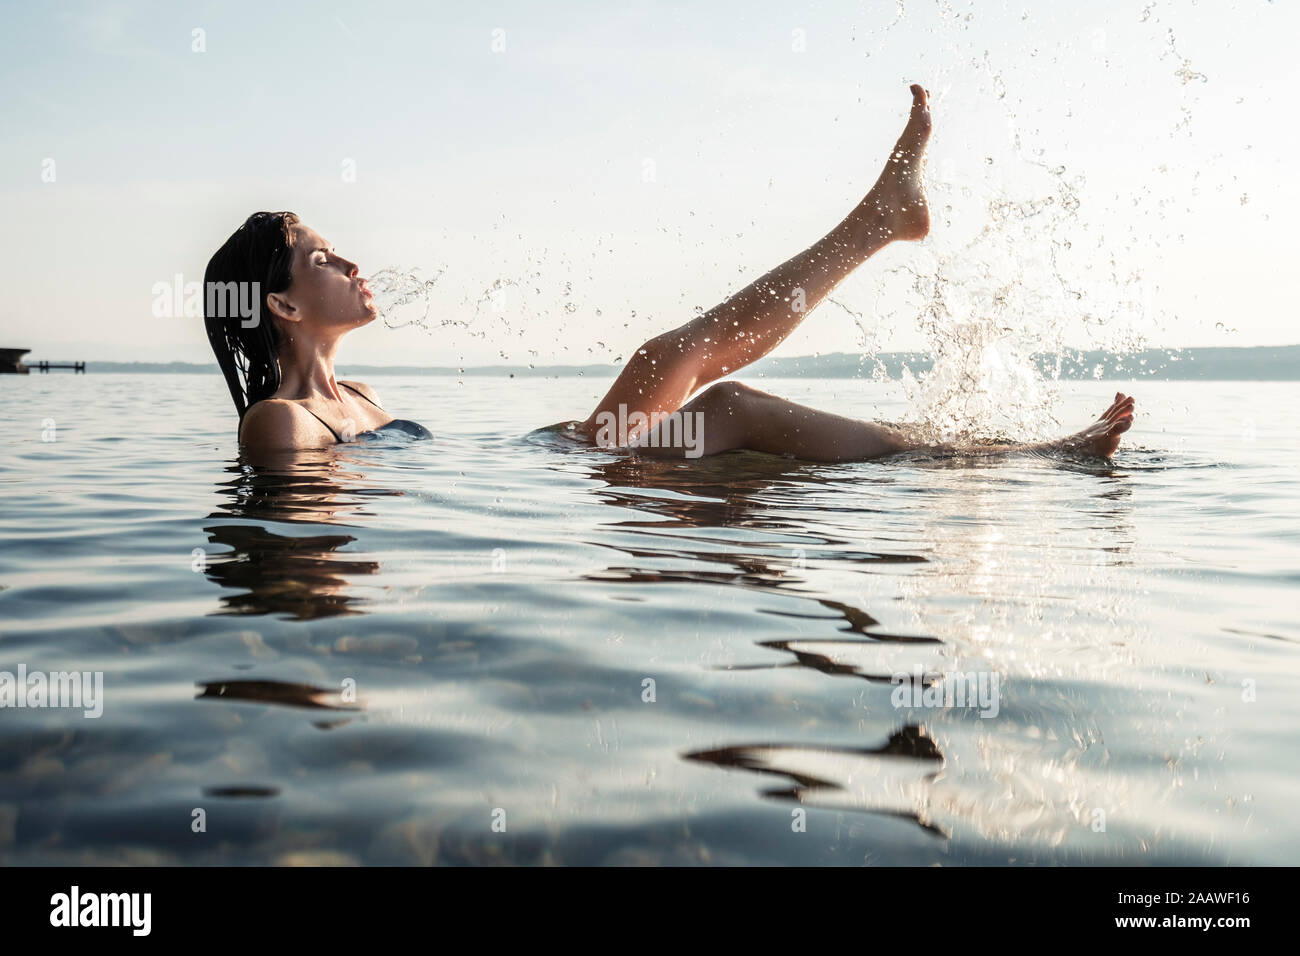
(307, 369)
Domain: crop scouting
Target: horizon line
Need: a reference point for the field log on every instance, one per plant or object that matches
(821, 357)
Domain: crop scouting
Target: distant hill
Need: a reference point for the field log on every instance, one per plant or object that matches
(1262, 363)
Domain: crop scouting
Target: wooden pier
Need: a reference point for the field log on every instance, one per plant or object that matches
(11, 360)
(75, 366)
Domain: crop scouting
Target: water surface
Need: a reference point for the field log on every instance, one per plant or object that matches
(501, 602)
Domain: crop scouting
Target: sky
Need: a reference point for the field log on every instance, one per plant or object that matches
(1102, 175)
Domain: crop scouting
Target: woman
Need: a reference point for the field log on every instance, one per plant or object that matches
(280, 366)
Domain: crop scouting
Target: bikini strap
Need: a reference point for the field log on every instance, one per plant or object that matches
(323, 422)
(363, 395)
(239, 433)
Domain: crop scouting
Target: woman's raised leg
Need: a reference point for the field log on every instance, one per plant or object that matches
(668, 369)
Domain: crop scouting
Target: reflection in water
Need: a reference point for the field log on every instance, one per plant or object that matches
(723, 491)
(984, 782)
(241, 791)
(1003, 581)
(897, 773)
(874, 657)
(869, 660)
(315, 486)
(764, 525)
(274, 692)
(748, 491)
(857, 620)
(302, 576)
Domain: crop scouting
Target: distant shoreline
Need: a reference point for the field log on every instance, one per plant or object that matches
(1257, 363)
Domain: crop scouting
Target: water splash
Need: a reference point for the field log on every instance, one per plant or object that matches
(525, 294)
(1038, 271)
(402, 296)
(405, 297)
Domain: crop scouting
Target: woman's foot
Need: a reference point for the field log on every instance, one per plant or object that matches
(1101, 438)
(896, 208)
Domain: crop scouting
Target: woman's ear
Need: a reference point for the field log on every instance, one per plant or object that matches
(282, 307)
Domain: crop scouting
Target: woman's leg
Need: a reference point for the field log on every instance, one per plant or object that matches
(729, 416)
(668, 369)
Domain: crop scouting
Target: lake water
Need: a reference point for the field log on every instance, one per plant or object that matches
(494, 648)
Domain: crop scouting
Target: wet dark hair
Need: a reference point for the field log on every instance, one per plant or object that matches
(261, 250)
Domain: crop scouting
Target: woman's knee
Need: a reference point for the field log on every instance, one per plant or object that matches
(727, 395)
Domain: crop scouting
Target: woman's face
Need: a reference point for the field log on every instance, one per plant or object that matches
(326, 295)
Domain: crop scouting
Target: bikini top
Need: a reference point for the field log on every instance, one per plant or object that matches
(405, 426)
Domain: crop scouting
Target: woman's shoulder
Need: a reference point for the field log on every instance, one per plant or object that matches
(276, 423)
(364, 390)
